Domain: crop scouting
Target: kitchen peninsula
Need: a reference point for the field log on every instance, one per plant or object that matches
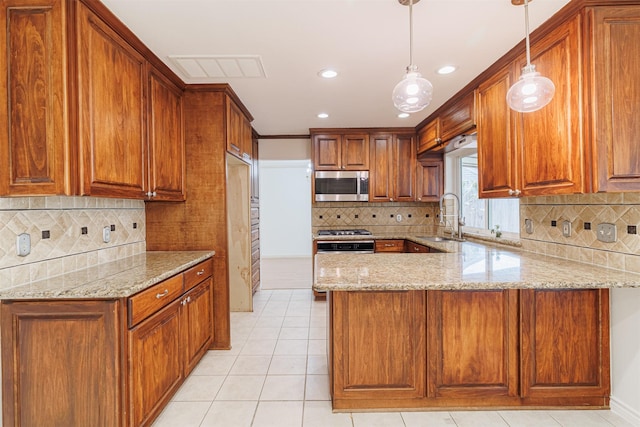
(475, 326)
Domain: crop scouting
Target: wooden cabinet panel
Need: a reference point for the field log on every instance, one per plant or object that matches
(550, 147)
(355, 152)
(61, 364)
(496, 138)
(197, 274)
(111, 105)
(462, 324)
(147, 302)
(389, 245)
(379, 357)
(429, 137)
(197, 323)
(155, 363)
(429, 180)
(166, 139)
(458, 118)
(341, 151)
(34, 141)
(326, 152)
(565, 343)
(411, 247)
(615, 91)
(404, 168)
(255, 170)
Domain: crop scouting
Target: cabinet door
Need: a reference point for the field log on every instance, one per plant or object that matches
(496, 139)
(255, 170)
(33, 114)
(473, 339)
(565, 343)
(198, 323)
(166, 139)
(61, 364)
(246, 142)
(374, 356)
(381, 167)
(155, 363)
(234, 128)
(111, 106)
(389, 245)
(355, 152)
(429, 137)
(429, 180)
(550, 155)
(459, 118)
(615, 94)
(411, 247)
(327, 152)
(404, 168)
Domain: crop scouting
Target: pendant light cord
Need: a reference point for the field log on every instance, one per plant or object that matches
(410, 34)
(526, 26)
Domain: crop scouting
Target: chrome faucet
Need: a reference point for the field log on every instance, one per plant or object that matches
(443, 216)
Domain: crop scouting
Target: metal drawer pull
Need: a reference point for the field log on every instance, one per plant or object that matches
(164, 294)
(200, 273)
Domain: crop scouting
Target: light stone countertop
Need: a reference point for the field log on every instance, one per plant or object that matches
(115, 279)
(467, 266)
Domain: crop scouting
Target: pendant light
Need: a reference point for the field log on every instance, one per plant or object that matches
(414, 92)
(532, 91)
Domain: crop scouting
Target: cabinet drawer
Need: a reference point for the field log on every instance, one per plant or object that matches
(389, 245)
(417, 248)
(197, 274)
(147, 302)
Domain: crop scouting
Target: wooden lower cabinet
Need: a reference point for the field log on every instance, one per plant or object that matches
(104, 363)
(466, 349)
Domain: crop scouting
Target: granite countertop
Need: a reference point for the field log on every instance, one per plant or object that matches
(466, 266)
(115, 279)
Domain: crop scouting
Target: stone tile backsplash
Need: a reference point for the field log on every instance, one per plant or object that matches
(66, 249)
(376, 217)
(621, 209)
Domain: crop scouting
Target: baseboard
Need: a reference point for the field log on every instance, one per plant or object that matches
(623, 410)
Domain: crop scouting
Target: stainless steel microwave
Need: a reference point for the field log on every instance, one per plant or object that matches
(342, 186)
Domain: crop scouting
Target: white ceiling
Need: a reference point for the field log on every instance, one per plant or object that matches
(366, 41)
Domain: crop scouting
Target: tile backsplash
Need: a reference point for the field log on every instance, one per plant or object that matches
(376, 217)
(67, 249)
(620, 209)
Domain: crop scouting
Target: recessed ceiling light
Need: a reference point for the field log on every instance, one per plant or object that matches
(403, 115)
(447, 69)
(323, 115)
(327, 73)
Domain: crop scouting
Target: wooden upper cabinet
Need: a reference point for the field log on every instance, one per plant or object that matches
(393, 168)
(429, 180)
(550, 144)
(459, 118)
(429, 137)
(112, 113)
(166, 139)
(615, 93)
(496, 138)
(238, 132)
(341, 151)
(34, 144)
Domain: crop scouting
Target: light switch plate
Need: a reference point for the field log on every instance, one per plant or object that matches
(528, 226)
(106, 234)
(23, 244)
(606, 232)
(566, 228)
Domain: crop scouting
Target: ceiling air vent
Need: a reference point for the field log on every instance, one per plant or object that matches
(220, 66)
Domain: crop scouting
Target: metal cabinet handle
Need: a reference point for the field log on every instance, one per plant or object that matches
(164, 294)
(515, 192)
(200, 273)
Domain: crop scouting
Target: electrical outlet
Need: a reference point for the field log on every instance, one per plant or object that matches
(528, 226)
(399, 218)
(23, 244)
(566, 228)
(606, 232)
(106, 234)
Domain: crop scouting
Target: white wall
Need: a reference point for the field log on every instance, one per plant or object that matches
(285, 198)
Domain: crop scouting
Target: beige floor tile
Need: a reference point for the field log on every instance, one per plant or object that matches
(319, 414)
(183, 414)
(251, 365)
(317, 365)
(288, 365)
(428, 419)
(230, 414)
(579, 418)
(478, 419)
(317, 333)
(278, 414)
(258, 347)
(294, 334)
(377, 419)
(214, 363)
(317, 387)
(270, 322)
(264, 333)
(283, 387)
(296, 322)
(241, 387)
(529, 419)
(317, 347)
(291, 347)
(199, 388)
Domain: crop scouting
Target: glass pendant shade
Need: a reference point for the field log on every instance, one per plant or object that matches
(531, 92)
(413, 93)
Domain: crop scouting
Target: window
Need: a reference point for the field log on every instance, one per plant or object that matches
(481, 215)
